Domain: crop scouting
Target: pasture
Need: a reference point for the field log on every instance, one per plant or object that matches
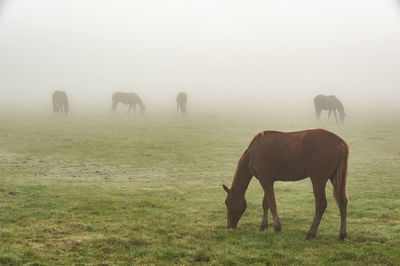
(117, 189)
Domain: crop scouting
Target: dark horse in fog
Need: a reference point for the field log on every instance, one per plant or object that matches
(60, 102)
(181, 100)
(330, 103)
(128, 98)
(292, 156)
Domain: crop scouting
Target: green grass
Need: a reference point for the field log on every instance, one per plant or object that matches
(117, 189)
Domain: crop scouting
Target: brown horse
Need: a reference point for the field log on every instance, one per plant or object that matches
(331, 103)
(60, 102)
(181, 100)
(278, 156)
(127, 98)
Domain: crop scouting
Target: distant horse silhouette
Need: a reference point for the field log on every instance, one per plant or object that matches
(181, 100)
(331, 103)
(278, 156)
(128, 98)
(60, 102)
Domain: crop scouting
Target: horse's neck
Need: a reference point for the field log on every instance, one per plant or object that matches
(242, 177)
(139, 101)
(339, 106)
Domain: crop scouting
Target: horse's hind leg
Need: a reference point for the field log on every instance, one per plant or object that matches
(264, 224)
(320, 204)
(343, 211)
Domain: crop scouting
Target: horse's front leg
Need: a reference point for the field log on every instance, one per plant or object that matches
(129, 109)
(264, 224)
(329, 114)
(268, 186)
(114, 107)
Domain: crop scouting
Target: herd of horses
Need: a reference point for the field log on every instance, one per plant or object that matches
(274, 156)
(321, 102)
(61, 105)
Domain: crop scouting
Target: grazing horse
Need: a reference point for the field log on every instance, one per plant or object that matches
(331, 103)
(60, 102)
(292, 156)
(181, 100)
(128, 98)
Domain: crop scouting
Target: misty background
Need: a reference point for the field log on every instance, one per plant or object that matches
(244, 54)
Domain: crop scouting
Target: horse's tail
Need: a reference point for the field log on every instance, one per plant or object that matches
(114, 102)
(340, 177)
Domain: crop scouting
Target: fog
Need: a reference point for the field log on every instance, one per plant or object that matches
(249, 54)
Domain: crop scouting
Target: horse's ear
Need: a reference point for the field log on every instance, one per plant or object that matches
(226, 189)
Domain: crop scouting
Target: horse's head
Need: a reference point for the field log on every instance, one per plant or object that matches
(236, 205)
(142, 109)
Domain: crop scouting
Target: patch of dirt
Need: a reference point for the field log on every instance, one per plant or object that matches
(26, 165)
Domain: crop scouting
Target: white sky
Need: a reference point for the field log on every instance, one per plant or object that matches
(259, 52)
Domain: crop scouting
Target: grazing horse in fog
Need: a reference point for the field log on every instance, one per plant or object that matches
(278, 156)
(181, 100)
(128, 98)
(331, 103)
(60, 102)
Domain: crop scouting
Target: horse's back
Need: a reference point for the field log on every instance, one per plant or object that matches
(119, 95)
(60, 97)
(325, 101)
(321, 151)
(290, 156)
(126, 97)
(277, 154)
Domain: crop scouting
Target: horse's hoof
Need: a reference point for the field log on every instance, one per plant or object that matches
(342, 236)
(309, 236)
(263, 227)
(277, 228)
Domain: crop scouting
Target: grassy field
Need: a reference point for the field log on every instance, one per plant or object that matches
(117, 189)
